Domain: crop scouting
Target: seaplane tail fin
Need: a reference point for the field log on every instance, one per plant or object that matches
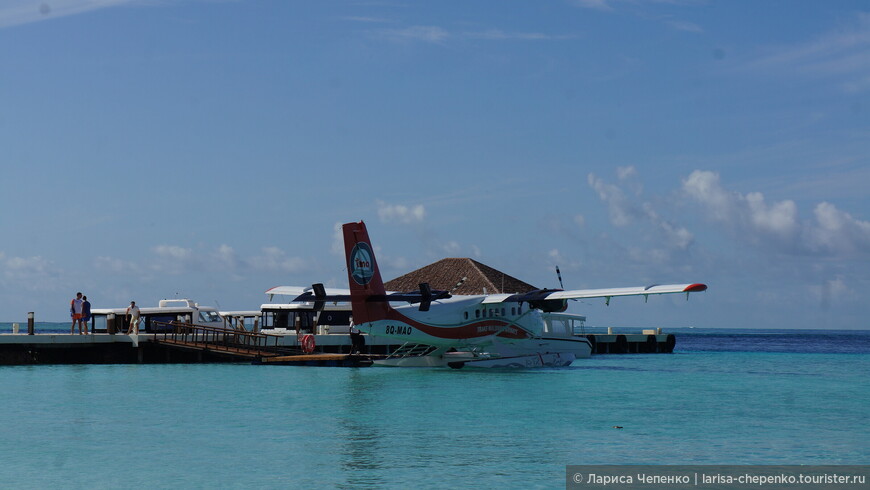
(367, 293)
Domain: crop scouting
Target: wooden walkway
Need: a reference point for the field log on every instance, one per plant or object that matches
(342, 360)
(256, 347)
(231, 342)
(230, 350)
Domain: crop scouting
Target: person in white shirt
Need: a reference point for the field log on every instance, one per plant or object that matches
(133, 313)
(75, 311)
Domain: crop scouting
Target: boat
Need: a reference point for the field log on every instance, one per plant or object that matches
(329, 328)
(156, 319)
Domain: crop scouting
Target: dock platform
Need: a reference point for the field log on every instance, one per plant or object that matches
(189, 343)
(648, 342)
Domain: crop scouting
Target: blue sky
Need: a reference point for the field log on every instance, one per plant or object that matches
(208, 149)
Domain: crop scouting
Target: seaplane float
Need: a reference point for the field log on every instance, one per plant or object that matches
(438, 329)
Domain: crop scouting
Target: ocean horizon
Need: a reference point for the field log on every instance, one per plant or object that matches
(739, 397)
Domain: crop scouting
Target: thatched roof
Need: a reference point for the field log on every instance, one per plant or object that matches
(447, 273)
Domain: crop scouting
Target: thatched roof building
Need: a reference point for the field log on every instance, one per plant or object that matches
(448, 274)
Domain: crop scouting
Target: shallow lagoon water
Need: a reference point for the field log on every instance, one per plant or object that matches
(802, 400)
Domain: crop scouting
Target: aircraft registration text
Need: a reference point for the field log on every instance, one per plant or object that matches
(397, 330)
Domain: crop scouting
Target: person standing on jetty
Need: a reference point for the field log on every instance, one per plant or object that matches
(133, 313)
(75, 311)
(86, 315)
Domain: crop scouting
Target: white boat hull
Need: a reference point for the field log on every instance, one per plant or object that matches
(527, 361)
(526, 354)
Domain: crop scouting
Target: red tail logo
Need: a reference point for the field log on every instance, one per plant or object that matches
(366, 286)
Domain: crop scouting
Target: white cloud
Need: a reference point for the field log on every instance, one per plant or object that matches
(610, 6)
(779, 218)
(837, 230)
(624, 173)
(173, 259)
(34, 273)
(451, 248)
(390, 263)
(397, 213)
(839, 56)
(750, 213)
(649, 255)
(226, 256)
(22, 267)
(429, 34)
(685, 26)
(275, 259)
(173, 252)
(594, 4)
(15, 12)
(499, 35)
(557, 259)
(367, 20)
(751, 218)
(115, 266)
(439, 35)
(618, 205)
(837, 286)
(831, 290)
(337, 240)
(625, 211)
(676, 236)
(704, 186)
(224, 259)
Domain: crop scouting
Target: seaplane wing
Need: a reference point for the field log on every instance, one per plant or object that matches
(555, 294)
(300, 291)
(424, 296)
(635, 291)
(319, 293)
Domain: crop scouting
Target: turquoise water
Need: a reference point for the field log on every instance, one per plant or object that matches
(801, 401)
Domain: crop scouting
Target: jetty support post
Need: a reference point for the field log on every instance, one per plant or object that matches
(30, 323)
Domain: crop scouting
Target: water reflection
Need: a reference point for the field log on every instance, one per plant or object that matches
(363, 449)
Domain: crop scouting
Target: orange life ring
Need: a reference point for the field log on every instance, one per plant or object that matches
(308, 343)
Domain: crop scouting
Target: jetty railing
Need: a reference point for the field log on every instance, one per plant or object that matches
(227, 340)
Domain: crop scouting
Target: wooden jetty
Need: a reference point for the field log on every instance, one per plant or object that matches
(180, 342)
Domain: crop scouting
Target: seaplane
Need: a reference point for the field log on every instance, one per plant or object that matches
(440, 329)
